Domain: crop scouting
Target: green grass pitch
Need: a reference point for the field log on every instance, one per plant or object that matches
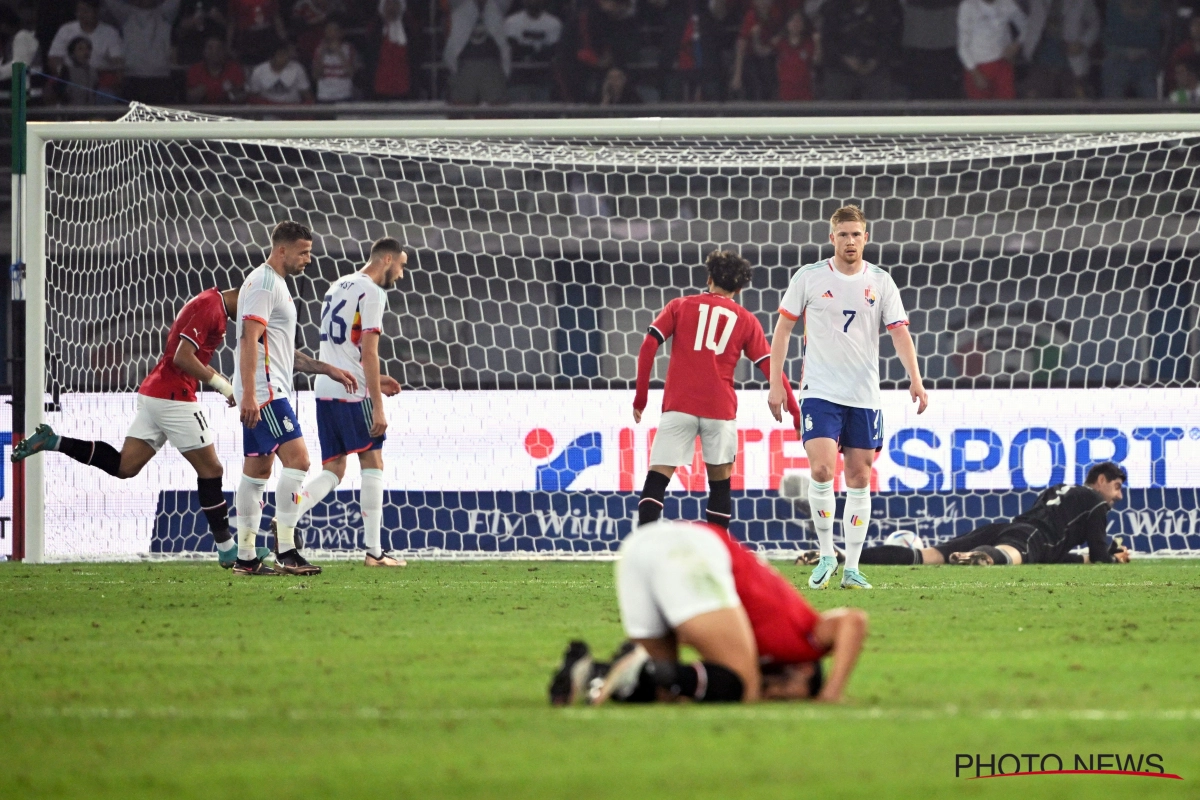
(178, 680)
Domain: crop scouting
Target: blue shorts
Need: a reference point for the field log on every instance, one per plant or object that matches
(345, 428)
(278, 424)
(859, 428)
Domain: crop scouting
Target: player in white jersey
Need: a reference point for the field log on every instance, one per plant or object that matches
(263, 384)
(352, 420)
(842, 301)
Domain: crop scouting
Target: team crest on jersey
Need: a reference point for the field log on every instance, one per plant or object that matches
(287, 425)
(869, 295)
(828, 294)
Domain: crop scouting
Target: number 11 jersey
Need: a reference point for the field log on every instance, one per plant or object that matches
(842, 315)
(353, 306)
(710, 334)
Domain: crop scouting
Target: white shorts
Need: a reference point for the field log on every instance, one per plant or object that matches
(668, 573)
(179, 422)
(675, 442)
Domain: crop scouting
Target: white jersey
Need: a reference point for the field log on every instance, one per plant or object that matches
(265, 297)
(353, 306)
(842, 315)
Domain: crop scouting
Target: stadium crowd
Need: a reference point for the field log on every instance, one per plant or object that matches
(604, 51)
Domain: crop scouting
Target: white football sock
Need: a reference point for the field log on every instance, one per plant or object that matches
(371, 504)
(856, 518)
(824, 505)
(316, 490)
(227, 545)
(249, 514)
(287, 506)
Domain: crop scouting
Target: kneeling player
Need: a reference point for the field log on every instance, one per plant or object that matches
(352, 421)
(691, 584)
(1063, 518)
(167, 411)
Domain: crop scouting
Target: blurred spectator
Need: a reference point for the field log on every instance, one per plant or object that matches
(392, 72)
(79, 89)
(255, 29)
(754, 57)
(986, 47)
(199, 21)
(861, 38)
(1056, 43)
(280, 80)
(146, 31)
(107, 53)
(309, 18)
(533, 35)
(334, 65)
(20, 41)
(1132, 41)
(477, 52)
(216, 79)
(694, 36)
(1186, 50)
(1187, 82)
(931, 49)
(600, 41)
(797, 52)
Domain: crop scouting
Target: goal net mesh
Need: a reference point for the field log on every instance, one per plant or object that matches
(1049, 279)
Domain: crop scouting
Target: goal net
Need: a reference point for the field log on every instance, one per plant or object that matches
(1050, 280)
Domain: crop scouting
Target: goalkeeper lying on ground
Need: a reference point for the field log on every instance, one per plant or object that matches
(1063, 518)
(681, 583)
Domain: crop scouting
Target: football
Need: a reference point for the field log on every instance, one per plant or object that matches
(905, 539)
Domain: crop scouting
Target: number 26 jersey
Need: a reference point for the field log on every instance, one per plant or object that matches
(841, 316)
(353, 306)
(710, 334)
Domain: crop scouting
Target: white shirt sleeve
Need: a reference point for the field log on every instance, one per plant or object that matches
(793, 302)
(371, 311)
(58, 47)
(966, 27)
(893, 312)
(257, 303)
(257, 83)
(300, 79)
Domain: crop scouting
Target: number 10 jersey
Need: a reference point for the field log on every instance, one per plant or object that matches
(710, 334)
(353, 306)
(842, 316)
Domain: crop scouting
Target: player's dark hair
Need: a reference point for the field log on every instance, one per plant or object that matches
(728, 270)
(287, 232)
(1109, 470)
(386, 246)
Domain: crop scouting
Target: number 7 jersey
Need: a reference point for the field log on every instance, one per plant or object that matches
(841, 316)
(353, 306)
(710, 334)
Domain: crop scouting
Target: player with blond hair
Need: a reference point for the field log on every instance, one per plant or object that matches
(841, 301)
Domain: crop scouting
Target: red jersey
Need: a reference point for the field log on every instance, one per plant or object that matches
(217, 88)
(711, 333)
(793, 66)
(783, 622)
(253, 15)
(202, 322)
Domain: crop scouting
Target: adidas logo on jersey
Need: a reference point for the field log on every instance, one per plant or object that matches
(828, 294)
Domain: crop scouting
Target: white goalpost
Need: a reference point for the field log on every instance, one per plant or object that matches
(1050, 266)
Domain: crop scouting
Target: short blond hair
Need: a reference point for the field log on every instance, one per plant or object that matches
(850, 213)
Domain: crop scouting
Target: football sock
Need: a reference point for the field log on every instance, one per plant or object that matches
(720, 504)
(704, 682)
(228, 544)
(249, 515)
(100, 455)
(216, 510)
(855, 519)
(650, 507)
(824, 506)
(316, 490)
(287, 507)
(371, 504)
(891, 554)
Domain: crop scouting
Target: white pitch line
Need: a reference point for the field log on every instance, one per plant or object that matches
(760, 713)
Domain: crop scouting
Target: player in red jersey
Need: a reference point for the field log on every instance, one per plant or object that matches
(681, 583)
(711, 332)
(168, 411)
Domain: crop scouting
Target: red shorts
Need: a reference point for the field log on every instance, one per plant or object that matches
(999, 76)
